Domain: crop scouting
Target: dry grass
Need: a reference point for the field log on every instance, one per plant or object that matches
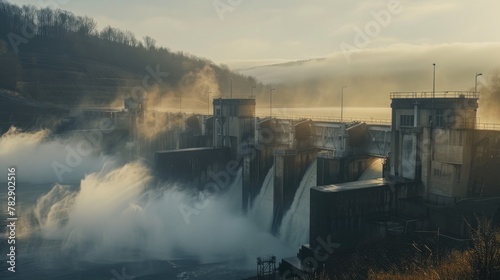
(456, 266)
(482, 261)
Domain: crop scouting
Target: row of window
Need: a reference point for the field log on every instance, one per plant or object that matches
(409, 120)
(439, 121)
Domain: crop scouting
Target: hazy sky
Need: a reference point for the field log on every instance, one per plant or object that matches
(260, 32)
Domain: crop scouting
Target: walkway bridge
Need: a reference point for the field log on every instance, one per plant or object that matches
(333, 136)
(336, 136)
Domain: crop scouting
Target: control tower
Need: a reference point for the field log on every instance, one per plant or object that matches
(234, 123)
(432, 136)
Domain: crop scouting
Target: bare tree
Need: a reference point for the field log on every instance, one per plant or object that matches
(484, 256)
(149, 43)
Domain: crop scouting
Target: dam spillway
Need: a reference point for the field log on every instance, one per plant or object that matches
(426, 158)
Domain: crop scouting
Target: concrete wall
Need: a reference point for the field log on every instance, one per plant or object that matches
(346, 213)
(256, 165)
(485, 176)
(191, 167)
(341, 170)
(432, 141)
(290, 166)
(234, 123)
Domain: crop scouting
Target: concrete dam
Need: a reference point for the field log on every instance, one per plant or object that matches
(432, 167)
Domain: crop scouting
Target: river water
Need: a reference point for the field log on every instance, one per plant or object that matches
(113, 220)
(107, 219)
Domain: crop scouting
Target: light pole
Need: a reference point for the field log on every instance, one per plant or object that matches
(208, 102)
(271, 101)
(231, 88)
(475, 84)
(434, 81)
(252, 90)
(342, 104)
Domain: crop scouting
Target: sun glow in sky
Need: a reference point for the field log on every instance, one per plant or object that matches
(246, 33)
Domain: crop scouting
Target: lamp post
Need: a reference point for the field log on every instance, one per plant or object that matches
(342, 104)
(475, 84)
(231, 92)
(208, 102)
(271, 102)
(252, 90)
(434, 81)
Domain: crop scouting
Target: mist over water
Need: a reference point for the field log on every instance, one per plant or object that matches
(111, 213)
(120, 213)
(34, 153)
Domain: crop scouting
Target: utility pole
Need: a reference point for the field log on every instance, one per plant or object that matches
(208, 102)
(434, 82)
(475, 84)
(342, 104)
(271, 101)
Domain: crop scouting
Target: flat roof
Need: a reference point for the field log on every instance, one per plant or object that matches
(433, 95)
(100, 109)
(250, 101)
(356, 185)
(192, 150)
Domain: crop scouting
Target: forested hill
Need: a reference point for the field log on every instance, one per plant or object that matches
(57, 57)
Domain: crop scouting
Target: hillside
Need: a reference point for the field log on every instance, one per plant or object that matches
(60, 58)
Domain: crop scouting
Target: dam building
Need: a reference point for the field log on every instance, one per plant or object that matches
(439, 165)
(234, 123)
(432, 139)
(438, 175)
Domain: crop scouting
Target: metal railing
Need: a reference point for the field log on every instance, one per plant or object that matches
(327, 119)
(385, 122)
(488, 126)
(236, 96)
(437, 94)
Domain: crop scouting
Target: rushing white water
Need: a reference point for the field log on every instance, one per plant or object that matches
(41, 159)
(262, 208)
(294, 229)
(117, 215)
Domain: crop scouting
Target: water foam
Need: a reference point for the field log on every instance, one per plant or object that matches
(119, 215)
(294, 228)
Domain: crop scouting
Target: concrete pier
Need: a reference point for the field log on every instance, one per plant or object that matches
(290, 167)
(192, 167)
(333, 170)
(256, 165)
